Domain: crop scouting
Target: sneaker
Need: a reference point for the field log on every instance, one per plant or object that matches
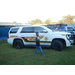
(35, 53)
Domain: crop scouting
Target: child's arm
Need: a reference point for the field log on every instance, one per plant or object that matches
(37, 40)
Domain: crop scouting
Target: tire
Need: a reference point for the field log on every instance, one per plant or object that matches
(18, 44)
(57, 45)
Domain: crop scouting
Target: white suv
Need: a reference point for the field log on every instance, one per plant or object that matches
(20, 36)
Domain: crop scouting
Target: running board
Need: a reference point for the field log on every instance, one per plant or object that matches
(44, 46)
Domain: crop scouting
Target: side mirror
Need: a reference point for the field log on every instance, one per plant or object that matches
(45, 31)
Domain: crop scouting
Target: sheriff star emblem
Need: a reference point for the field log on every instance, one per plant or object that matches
(46, 38)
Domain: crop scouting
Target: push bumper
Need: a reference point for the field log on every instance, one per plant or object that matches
(71, 42)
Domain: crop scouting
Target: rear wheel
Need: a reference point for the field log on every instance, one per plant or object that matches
(57, 45)
(18, 44)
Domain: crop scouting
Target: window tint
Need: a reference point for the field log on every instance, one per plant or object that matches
(14, 30)
(69, 29)
(39, 29)
(27, 30)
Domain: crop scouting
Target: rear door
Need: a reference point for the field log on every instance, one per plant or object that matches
(27, 35)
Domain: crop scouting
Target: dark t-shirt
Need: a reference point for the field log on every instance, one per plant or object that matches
(37, 42)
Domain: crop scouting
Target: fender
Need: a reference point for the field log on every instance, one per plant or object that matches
(19, 38)
(61, 39)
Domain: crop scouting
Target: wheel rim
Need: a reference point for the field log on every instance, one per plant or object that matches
(18, 45)
(56, 46)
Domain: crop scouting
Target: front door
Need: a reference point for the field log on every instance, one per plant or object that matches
(44, 36)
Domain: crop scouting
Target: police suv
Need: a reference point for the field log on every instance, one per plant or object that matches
(25, 36)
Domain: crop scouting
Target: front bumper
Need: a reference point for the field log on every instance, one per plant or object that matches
(73, 39)
(71, 42)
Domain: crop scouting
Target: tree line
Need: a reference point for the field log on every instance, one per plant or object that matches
(65, 20)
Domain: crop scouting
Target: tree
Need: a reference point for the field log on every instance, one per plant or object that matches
(48, 21)
(29, 21)
(67, 19)
(43, 22)
(36, 21)
(33, 22)
(14, 21)
(60, 21)
(54, 22)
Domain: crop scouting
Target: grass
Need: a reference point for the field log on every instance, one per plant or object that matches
(11, 56)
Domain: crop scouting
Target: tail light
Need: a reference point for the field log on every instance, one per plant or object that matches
(8, 35)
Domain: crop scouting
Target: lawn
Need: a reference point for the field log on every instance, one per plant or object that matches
(11, 56)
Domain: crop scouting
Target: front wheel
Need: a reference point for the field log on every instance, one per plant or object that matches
(57, 45)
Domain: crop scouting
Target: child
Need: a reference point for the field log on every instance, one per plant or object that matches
(38, 44)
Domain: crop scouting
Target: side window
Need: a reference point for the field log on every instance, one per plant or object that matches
(39, 29)
(14, 30)
(27, 30)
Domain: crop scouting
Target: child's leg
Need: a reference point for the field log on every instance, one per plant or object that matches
(36, 50)
(41, 50)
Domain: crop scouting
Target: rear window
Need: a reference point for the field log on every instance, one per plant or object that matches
(14, 30)
(27, 30)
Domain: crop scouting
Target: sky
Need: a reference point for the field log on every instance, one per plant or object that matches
(23, 11)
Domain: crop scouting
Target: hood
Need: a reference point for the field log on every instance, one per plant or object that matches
(61, 33)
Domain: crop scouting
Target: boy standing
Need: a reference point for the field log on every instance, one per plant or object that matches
(38, 44)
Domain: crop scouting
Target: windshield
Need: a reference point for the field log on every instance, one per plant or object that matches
(47, 29)
(58, 28)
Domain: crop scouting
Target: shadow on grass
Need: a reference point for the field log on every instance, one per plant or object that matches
(44, 48)
(65, 49)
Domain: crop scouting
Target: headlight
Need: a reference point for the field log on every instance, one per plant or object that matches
(68, 36)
